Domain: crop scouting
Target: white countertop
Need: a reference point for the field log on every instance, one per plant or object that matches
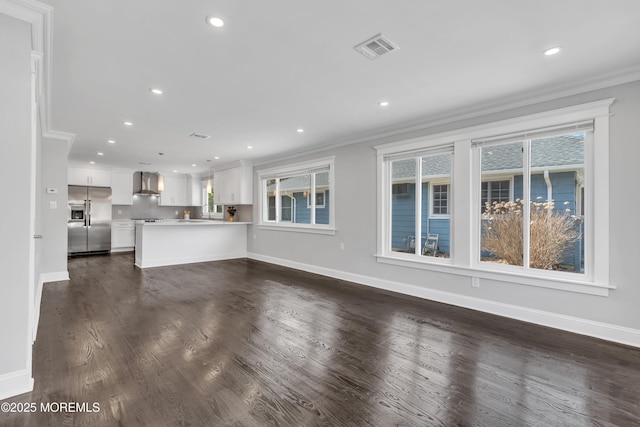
(189, 222)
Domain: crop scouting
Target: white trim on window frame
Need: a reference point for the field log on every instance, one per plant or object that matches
(466, 199)
(295, 169)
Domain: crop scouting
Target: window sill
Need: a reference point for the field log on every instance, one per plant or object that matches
(299, 228)
(578, 286)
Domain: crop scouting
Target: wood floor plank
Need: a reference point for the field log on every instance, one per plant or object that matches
(245, 343)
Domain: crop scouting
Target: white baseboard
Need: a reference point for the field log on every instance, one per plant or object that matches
(15, 383)
(116, 250)
(605, 331)
(55, 276)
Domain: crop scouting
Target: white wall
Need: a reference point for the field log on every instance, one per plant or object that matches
(15, 143)
(54, 221)
(614, 317)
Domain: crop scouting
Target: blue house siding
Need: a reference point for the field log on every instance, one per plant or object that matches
(303, 213)
(403, 220)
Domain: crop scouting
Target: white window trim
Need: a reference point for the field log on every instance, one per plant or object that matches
(293, 169)
(465, 208)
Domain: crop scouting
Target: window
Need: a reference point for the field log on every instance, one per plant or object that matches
(440, 199)
(209, 208)
(495, 192)
(521, 201)
(419, 207)
(401, 189)
(298, 197)
(535, 225)
(319, 199)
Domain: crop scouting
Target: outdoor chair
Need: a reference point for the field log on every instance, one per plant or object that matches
(430, 245)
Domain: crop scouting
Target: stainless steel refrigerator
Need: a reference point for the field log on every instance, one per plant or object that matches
(89, 220)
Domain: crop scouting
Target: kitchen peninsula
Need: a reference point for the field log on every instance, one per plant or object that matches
(171, 242)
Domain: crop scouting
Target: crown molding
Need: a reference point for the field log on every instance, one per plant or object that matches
(61, 136)
(423, 126)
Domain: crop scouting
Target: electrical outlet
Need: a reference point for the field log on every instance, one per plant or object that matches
(341, 246)
(475, 282)
(53, 204)
(177, 212)
(119, 211)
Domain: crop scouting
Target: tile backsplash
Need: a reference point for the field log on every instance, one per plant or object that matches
(147, 207)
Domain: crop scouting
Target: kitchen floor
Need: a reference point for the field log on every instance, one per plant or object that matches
(247, 343)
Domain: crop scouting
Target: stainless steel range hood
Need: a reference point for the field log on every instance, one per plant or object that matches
(146, 183)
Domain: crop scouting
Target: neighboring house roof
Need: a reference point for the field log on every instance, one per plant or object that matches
(565, 150)
(301, 182)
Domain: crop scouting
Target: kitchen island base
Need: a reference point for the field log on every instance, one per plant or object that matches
(171, 243)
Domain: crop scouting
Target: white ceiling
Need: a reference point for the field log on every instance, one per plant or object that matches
(280, 65)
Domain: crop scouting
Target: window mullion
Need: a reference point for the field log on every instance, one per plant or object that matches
(312, 195)
(278, 201)
(526, 206)
(418, 207)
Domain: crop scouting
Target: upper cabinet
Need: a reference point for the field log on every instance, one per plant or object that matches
(175, 191)
(233, 185)
(92, 177)
(194, 191)
(122, 188)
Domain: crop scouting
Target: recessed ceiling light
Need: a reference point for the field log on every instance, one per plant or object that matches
(155, 91)
(300, 130)
(383, 103)
(111, 141)
(552, 50)
(127, 123)
(100, 154)
(216, 158)
(249, 147)
(215, 21)
(175, 171)
(92, 162)
(194, 165)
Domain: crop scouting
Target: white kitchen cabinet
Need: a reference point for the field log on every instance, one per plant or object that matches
(194, 191)
(175, 191)
(122, 188)
(234, 185)
(92, 177)
(123, 236)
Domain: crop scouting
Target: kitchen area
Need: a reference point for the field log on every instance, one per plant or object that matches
(165, 218)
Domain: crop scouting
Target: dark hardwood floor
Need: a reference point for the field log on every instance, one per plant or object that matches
(251, 344)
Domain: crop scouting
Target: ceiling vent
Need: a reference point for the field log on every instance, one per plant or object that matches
(376, 46)
(199, 135)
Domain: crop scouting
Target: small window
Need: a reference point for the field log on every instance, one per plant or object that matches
(493, 192)
(401, 189)
(440, 204)
(319, 199)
